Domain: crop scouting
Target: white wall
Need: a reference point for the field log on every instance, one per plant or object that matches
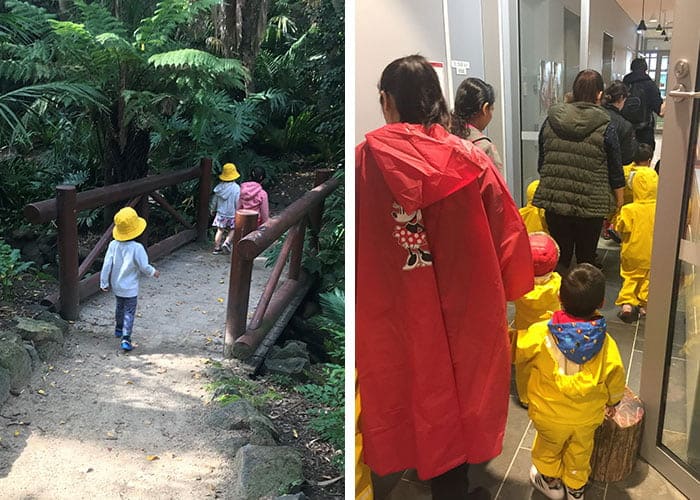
(607, 16)
(386, 30)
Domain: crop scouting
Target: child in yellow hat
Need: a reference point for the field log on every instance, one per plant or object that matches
(223, 207)
(125, 260)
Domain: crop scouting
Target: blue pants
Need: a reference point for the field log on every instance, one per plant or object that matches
(124, 316)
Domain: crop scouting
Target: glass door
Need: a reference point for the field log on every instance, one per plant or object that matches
(550, 36)
(671, 366)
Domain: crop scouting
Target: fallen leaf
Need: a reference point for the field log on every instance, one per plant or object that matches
(50, 367)
(16, 433)
(89, 469)
(220, 300)
(151, 458)
(296, 434)
(129, 382)
(62, 422)
(41, 391)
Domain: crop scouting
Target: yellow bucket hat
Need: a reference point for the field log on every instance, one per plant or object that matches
(229, 172)
(127, 224)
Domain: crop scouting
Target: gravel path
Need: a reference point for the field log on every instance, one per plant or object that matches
(98, 423)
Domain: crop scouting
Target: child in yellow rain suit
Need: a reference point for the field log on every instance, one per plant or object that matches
(636, 227)
(533, 217)
(539, 303)
(576, 378)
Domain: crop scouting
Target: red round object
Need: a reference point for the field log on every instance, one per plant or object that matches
(545, 253)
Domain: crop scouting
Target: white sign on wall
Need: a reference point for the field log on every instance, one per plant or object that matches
(460, 67)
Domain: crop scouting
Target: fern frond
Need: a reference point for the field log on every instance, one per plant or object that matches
(204, 62)
(67, 29)
(24, 71)
(98, 19)
(156, 32)
(24, 22)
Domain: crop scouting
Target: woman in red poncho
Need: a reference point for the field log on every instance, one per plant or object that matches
(440, 249)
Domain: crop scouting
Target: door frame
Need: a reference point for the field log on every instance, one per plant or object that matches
(676, 148)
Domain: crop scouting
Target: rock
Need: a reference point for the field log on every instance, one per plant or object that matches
(260, 471)
(15, 359)
(296, 496)
(55, 319)
(4, 385)
(33, 354)
(259, 437)
(241, 415)
(291, 360)
(47, 336)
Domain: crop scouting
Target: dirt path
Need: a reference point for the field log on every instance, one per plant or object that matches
(91, 424)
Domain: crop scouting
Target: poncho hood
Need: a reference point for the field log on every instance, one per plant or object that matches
(252, 193)
(578, 340)
(576, 121)
(644, 181)
(421, 166)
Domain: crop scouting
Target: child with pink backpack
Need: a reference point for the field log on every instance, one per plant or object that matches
(254, 197)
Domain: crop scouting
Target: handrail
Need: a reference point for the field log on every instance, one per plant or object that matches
(44, 211)
(273, 309)
(256, 242)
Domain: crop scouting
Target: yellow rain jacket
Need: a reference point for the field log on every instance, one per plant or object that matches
(561, 391)
(628, 170)
(575, 372)
(635, 224)
(533, 216)
(363, 476)
(536, 305)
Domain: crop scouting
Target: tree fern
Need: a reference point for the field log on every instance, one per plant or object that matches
(193, 59)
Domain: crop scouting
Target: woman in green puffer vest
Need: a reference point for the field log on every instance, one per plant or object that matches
(580, 167)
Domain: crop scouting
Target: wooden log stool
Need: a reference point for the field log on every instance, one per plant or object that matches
(617, 441)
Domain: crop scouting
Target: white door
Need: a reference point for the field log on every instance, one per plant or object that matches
(671, 365)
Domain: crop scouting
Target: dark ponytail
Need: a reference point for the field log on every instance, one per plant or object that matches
(471, 96)
(415, 87)
(615, 91)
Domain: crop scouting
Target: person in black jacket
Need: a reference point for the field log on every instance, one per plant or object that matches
(613, 101)
(652, 98)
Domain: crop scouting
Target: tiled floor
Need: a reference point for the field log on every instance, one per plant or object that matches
(506, 476)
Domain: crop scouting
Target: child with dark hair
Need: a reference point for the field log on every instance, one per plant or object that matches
(473, 112)
(253, 196)
(125, 261)
(576, 378)
(636, 227)
(642, 159)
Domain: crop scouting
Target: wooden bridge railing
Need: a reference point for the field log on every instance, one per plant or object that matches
(65, 207)
(277, 303)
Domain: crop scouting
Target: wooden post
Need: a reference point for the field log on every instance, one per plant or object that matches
(316, 213)
(67, 251)
(239, 282)
(617, 441)
(203, 199)
(143, 210)
(297, 251)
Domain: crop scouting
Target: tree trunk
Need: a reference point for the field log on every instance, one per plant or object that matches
(240, 25)
(617, 441)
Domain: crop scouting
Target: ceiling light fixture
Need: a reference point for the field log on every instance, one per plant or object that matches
(658, 26)
(642, 25)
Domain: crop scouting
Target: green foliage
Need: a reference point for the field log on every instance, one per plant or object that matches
(11, 267)
(329, 262)
(234, 388)
(329, 420)
(330, 394)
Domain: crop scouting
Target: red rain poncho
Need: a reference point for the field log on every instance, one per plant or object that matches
(440, 249)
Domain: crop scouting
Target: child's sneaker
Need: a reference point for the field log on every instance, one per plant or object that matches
(126, 344)
(226, 247)
(551, 487)
(216, 251)
(572, 494)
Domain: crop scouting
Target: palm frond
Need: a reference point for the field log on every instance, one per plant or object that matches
(24, 22)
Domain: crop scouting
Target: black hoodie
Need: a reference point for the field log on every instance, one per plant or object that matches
(651, 91)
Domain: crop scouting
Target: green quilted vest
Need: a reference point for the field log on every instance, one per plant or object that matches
(574, 176)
